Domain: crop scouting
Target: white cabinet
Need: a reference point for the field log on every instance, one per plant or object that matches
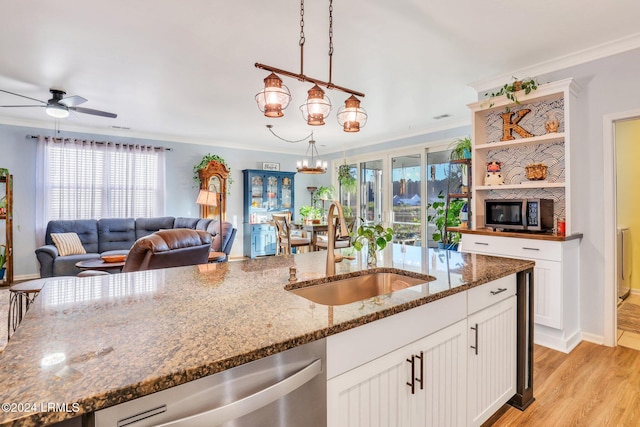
(420, 384)
(492, 348)
(494, 142)
(556, 283)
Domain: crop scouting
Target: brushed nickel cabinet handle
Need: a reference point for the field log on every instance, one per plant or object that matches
(481, 243)
(530, 249)
(499, 291)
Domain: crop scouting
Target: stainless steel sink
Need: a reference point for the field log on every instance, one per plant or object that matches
(352, 289)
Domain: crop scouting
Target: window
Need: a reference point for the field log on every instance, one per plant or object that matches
(80, 179)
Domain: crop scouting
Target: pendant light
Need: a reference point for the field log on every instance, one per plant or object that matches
(350, 116)
(275, 96)
(317, 107)
(314, 165)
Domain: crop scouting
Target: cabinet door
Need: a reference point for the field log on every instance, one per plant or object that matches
(271, 191)
(547, 306)
(491, 359)
(379, 393)
(443, 399)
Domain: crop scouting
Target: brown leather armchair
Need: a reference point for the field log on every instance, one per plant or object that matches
(169, 248)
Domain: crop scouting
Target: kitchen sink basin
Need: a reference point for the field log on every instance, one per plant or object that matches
(358, 288)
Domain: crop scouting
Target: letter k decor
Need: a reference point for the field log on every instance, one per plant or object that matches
(509, 126)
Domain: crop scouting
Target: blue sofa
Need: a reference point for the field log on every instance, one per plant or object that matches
(110, 236)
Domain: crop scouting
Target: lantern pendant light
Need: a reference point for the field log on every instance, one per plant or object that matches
(351, 116)
(274, 97)
(317, 107)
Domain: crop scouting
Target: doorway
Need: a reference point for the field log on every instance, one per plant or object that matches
(627, 267)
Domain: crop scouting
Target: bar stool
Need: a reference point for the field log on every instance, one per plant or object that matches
(21, 296)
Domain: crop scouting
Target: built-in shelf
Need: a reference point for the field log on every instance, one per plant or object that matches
(521, 186)
(548, 138)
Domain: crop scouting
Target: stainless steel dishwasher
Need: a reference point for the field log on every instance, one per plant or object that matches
(286, 389)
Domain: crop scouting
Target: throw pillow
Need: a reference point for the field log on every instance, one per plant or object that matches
(68, 243)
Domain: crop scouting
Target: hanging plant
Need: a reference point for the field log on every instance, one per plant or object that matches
(203, 164)
(347, 181)
(510, 90)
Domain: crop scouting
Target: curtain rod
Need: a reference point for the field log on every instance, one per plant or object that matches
(100, 142)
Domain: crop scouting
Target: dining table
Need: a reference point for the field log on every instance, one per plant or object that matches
(313, 229)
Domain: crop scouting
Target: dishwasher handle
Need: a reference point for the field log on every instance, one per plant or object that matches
(255, 401)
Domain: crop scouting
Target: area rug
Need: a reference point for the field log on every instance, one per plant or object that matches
(629, 317)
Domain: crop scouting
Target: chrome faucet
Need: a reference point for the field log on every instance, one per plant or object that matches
(331, 237)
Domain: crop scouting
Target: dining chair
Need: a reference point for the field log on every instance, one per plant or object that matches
(342, 242)
(287, 241)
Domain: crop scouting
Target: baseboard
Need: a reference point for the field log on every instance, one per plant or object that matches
(555, 339)
(593, 338)
(635, 291)
(24, 277)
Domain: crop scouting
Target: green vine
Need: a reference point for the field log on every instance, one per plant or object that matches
(509, 90)
(203, 164)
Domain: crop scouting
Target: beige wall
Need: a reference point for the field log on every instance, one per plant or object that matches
(628, 188)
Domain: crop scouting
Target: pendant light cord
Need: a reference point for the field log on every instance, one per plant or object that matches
(270, 127)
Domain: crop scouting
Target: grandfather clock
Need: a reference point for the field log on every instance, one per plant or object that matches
(213, 177)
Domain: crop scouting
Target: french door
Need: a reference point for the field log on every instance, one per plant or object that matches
(394, 189)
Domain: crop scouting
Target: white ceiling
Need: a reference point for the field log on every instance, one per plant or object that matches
(184, 70)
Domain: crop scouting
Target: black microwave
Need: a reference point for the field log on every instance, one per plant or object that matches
(519, 214)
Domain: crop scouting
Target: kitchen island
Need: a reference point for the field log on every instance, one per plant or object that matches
(90, 343)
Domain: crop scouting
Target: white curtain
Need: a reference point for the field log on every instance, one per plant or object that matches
(83, 179)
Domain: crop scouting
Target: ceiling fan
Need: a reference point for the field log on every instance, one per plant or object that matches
(59, 107)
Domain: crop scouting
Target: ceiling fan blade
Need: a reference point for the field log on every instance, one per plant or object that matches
(94, 112)
(22, 96)
(72, 101)
(13, 106)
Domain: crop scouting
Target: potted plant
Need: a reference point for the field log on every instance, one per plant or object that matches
(310, 214)
(461, 149)
(203, 164)
(348, 182)
(3, 260)
(510, 90)
(376, 237)
(444, 219)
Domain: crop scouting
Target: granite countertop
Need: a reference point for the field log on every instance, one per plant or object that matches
(93, 342)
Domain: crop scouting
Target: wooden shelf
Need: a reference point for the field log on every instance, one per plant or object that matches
(522, 186)
(548, 138)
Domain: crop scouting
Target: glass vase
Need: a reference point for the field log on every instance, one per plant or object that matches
(372, 254)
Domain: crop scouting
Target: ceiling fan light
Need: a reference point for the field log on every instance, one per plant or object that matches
(274, 97)
(316, 108)
(351, 116)
(57, 111)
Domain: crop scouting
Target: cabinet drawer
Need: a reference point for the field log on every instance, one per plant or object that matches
(490, 293)
(513, 247)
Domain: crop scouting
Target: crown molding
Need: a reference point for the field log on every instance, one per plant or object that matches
(580, 57)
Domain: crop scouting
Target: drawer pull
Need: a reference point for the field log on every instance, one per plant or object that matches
(499, 291)
(530, 249)
(481, 243)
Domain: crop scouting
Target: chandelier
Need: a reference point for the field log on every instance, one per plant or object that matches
(315, 166)
(309, 166)
(275, 96)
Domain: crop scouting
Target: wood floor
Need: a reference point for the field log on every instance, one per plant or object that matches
(594, 385)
